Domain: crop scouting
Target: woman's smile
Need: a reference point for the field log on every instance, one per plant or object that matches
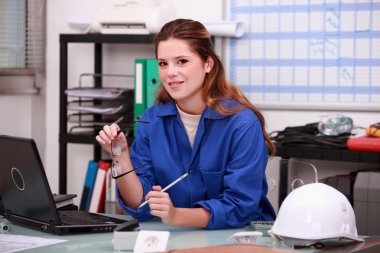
(175, 84)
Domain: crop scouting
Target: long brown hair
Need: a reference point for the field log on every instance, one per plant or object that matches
(216, 87)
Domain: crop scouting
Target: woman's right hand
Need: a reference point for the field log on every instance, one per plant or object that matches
(107, 135)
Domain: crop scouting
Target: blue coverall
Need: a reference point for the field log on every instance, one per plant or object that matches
(227, 164)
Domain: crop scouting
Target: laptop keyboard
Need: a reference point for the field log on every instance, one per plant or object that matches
(83, 218)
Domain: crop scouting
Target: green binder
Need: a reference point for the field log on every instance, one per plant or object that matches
(152, 81)
(147, 82)
(140, 91)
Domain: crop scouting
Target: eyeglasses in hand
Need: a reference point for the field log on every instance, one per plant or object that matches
(116, 170)
(119, 145)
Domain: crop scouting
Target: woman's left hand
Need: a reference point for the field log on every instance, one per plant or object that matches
(161, 205)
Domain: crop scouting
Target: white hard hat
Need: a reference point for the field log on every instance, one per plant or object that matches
(315, 212)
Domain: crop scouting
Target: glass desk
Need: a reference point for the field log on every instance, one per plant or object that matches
(181, 240)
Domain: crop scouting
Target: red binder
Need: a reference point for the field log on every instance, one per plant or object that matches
(371, 144)
(98, 193)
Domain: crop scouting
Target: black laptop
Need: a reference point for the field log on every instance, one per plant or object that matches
(27, 199)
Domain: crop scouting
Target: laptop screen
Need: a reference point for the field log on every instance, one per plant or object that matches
(24, 188)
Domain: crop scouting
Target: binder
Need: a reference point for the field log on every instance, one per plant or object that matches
(98, 194)
(139, 102)
(152, 81)
(147, 82)
(110, 187)
(92, 168)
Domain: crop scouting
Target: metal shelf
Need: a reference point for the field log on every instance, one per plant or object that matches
(343, 155)
(107, 38)
(64, 137)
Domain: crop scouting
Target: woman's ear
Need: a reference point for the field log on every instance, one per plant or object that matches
(209, 64)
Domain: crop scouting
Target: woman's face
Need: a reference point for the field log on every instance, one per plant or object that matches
(182, 71)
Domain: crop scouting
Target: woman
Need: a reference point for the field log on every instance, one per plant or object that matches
(201, 124)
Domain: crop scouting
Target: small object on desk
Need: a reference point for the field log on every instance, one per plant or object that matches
(261, 226)
(151, 241)
(373, 130)
(248, 237)
(62, 200)
(140, 241)
(4, 227)
(335, 125)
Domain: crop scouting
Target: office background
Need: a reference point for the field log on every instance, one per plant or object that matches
(37, 116)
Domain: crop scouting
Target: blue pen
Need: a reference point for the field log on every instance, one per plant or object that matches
(168, 187)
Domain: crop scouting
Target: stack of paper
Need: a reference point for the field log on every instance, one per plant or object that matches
(99, 109)
(103, 93)
(64, 200)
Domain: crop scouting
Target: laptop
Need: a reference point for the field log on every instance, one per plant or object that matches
(28, 201)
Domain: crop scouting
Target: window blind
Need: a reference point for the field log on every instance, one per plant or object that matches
(22, 45)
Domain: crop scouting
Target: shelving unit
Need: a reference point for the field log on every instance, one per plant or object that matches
(64, 137)
(339, 155)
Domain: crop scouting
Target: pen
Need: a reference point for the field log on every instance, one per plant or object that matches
(168, 187)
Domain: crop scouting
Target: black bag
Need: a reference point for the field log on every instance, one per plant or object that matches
(308, 136)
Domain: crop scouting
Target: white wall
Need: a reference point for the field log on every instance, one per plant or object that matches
(17, 114)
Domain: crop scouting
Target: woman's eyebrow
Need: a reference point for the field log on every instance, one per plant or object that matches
(176, 58)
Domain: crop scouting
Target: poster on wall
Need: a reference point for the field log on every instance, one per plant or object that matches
(314, 54)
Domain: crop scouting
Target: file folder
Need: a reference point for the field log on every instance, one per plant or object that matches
(147, 82)
(88, 185)
(99, 189)
(152, 81)
(139, 103)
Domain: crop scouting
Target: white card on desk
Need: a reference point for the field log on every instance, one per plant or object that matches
(151, 241)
